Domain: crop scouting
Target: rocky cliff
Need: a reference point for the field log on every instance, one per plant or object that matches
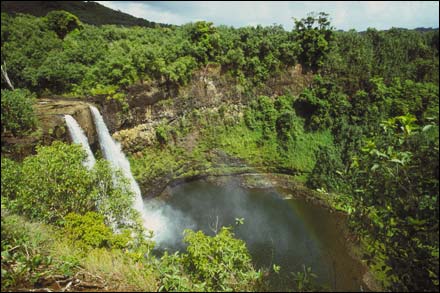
(148, 105)
(51, 126)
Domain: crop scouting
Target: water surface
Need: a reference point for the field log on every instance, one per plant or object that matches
(291, 233)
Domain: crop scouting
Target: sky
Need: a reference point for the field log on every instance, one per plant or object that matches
(344, 15)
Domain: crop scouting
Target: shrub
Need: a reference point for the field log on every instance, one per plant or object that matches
(162, 134)
(17, 113)
(54, 182)
(88, 229)
(328, 171)
(91, 232)
(222, 261)
(62, 22)
(24, 248)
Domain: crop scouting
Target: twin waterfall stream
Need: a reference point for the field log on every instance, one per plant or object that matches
(112, 152)
(78, 137)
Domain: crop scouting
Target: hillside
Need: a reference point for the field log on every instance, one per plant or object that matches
(87, 11)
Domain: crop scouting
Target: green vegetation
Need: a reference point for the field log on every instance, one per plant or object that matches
(400, 161)
(78, 61)
(18, 115)
(219, 263)
(314, 34)
(225, 265)
(80, 235)
(90, 230)
(87, 11)
(54, 191)
(22, 245)
(363, 132)
(62, 22)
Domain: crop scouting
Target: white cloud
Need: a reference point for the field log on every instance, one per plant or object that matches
(150, 13)
(340, 17)
(111, 4)
(344, 14)
(375, 7)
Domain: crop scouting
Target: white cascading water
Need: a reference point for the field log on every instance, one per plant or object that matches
(112, 152)
(78, 137)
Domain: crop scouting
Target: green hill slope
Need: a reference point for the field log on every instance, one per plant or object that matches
(87, 11)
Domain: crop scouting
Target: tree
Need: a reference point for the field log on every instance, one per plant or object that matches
(179, 72)
(262, 115)
(287, 125)
(6, 77)
(322, 104)
(27, 44)
(314, 34)
(350, 61)
(17, 114)
(62, 22)
(395, 179)
(115, 68)
(64, 185)
(205, 38)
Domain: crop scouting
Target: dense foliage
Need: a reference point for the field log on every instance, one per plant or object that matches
(364, 133)
(89, 12)
(222, 261)
(57, 190)
(62, 22)
(401, 160)
(81, 61)
(314, 34)
(86, 206)
(210, 264)
(18, 115)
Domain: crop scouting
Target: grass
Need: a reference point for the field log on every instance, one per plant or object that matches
(119, 270)
(35, 254)
(69, 255)
(244, 144)
(25, 250)
(208, 136)
(156, 162)
(239, 141)
(301, 154)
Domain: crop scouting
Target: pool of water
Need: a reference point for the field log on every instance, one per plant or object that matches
(291, 233)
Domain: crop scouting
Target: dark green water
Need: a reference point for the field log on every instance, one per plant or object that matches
(290, 233)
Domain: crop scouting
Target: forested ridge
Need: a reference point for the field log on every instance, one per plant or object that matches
(362, 130)
(89, 12)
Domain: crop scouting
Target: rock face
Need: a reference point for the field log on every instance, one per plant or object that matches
(208, 88)
(51, 126)
(149, 105)
(152, 104)
(50, 114)
(140, 99)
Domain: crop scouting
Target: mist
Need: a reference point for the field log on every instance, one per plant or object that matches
(206, 207)
(166, 223)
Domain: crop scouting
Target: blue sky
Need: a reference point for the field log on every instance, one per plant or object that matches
(344, 14)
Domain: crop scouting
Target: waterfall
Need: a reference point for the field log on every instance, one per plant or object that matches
(78, 137)
(162, 220)
(112, 152)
